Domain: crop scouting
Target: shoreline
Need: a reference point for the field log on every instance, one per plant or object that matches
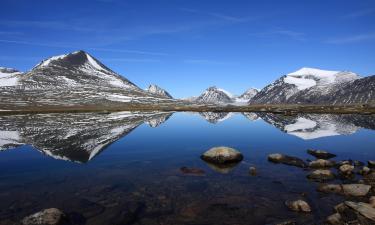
(278, 109)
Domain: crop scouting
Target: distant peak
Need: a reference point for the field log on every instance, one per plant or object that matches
(153, 88)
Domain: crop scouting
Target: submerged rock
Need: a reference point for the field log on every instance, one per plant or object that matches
(321, 175)
(372, 201)
(363, 209)
(322, 163)
(50, 216)
(352, 213)
(330, 188)
(222, 155)
(298, 206)
(288, 160)
(253, 171)
(320, 154)
(335, 219)
(346, 169)
(356, 190)
(364, 171)
(192, 171)
(371, 163)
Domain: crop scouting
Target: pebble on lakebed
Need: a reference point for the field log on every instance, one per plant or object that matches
(222, 155)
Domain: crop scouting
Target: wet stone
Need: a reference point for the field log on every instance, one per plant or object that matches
(356, 189)
(51, 216)
(252, 171)
(364, 171)
(321, 175)
(287, 160)
(371, 163)
(335, 219)
(221, 155)
(346, 169)
(298, 206)
(320, 154)
(321, 163)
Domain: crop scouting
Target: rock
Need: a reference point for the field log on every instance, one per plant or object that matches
(321, 163)
(50, 216)
(330, 188)
(289, 222)
(372, 201)
(321, 175)
(346, 169)
(288, 160)
(362, 208)
(335, 219)
(253, 171)
(356, 189)
(298, 206)
(320, 154)
(371, 163)
(222, 155)
(364, 171)
(192, 171)
(344, 162)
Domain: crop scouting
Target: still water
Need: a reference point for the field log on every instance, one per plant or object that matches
(125, 168)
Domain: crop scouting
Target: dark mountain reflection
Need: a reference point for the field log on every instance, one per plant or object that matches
(79, 137)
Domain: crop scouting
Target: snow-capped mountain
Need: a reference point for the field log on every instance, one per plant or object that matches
(158, 119)
(9, 77)
(215, 95)
(307, 85)
(216, 117)
(76, 137)
(247, 95)
(154, 89)
(75, 79)
(312, 126)
(72, 70)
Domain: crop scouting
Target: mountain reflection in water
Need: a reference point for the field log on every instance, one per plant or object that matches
(79, 137)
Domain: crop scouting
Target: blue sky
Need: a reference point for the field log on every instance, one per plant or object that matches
(186, 46)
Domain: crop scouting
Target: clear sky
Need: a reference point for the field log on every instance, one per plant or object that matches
(186, 46)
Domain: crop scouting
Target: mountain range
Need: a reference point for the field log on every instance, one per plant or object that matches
(78, 79)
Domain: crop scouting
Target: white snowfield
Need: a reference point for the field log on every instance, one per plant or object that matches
(8, 78)
(9, 138)
(309, 77)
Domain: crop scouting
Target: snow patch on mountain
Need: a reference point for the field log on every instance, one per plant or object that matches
(305, 78)
(9, 77)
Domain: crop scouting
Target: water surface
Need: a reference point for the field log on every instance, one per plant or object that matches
(125, 168)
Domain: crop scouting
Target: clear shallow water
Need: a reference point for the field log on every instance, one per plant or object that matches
(125, 168)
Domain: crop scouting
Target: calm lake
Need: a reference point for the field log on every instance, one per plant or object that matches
(128, 168)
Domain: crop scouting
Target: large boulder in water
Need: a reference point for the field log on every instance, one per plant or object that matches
(222, 155)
